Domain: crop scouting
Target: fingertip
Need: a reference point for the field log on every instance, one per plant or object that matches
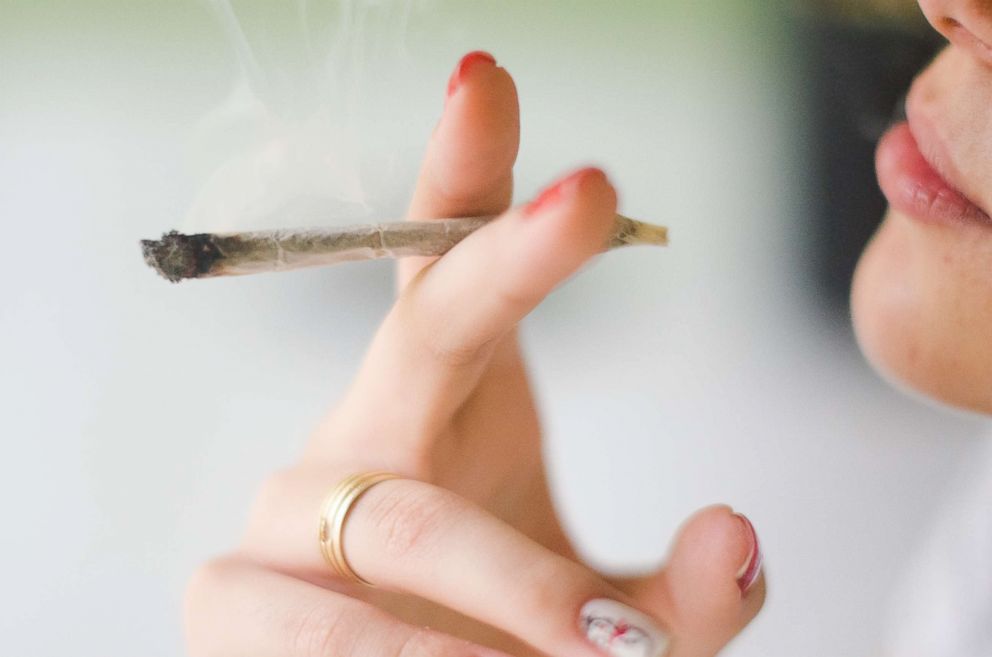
(606, 196)
(502, 271)
(698, 588)
(473, 149)
(595, 191)
(705, 568)
(547, 240)
(724, 539)
(483, 103)
(464, 68)
(584, 200)
(596, 204)
(468, 167)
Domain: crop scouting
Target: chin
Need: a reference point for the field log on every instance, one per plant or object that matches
(922, 309)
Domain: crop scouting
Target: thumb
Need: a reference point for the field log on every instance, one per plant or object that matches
(712, 585)
(468, 167)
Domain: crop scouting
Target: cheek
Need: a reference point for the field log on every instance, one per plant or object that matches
(922, 307)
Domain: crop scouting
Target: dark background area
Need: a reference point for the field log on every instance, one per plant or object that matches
(856, 74)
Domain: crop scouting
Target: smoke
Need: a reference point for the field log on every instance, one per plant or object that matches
(298, 139)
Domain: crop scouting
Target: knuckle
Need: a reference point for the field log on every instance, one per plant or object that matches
(408, 518)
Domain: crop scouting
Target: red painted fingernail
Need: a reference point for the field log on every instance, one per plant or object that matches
(553, 194)
(466, 63)
(749, 572)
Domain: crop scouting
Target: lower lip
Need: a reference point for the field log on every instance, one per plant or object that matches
(913, 187)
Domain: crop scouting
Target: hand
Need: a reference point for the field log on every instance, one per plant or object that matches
(469, 545)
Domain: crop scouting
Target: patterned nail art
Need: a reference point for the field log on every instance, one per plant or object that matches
(620, 630)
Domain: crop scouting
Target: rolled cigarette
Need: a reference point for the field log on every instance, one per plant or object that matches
(177, 256)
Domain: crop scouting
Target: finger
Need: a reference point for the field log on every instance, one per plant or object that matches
(414, 538)
(712, 585)
(434, 345)
(468, 168)
(234, 607)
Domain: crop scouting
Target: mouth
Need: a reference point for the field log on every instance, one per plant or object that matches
(915, 181)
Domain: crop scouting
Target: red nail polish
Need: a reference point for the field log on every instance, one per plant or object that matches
(466, 63)
(749, 572)
(567, 186)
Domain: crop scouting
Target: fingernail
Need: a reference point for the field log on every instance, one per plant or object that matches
(751, 569)
(466, 63)
(621, 631)
(561, 190)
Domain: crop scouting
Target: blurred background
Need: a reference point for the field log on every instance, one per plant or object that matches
(139, 417)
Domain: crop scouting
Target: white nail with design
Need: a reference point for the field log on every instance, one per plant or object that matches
(621, 631)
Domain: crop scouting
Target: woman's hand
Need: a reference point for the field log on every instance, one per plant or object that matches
(469, 545)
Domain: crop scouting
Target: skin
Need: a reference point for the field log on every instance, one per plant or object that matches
(469, 545)
(922, 296)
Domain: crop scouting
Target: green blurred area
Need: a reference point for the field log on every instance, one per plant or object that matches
(603, 26)
(72, 54)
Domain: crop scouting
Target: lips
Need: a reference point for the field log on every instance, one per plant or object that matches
(912, 182)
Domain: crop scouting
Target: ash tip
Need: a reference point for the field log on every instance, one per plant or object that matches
(177, 256)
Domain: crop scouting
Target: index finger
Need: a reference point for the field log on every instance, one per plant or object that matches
(411, 537)
(434, 345)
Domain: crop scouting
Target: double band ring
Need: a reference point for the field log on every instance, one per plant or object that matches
(333, 514)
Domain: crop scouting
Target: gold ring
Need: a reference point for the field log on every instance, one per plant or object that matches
(334, 512)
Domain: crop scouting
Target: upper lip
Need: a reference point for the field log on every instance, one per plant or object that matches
(926, 132)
